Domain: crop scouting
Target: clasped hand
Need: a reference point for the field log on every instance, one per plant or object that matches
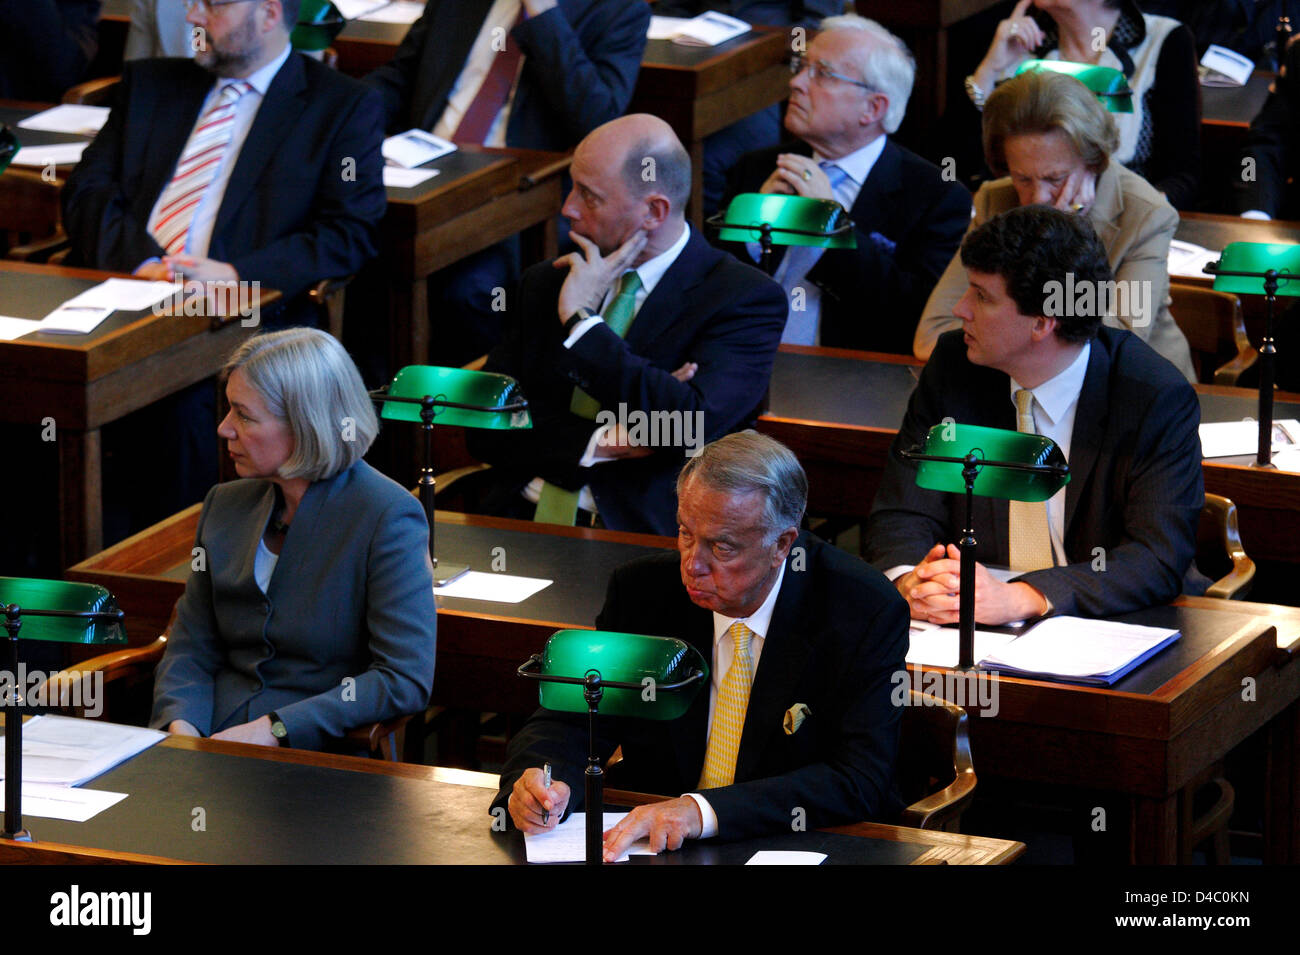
(932, 590)
(797, 175)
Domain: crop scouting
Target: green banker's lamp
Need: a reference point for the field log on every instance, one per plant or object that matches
(1107, 83)
(772, 219)
(991, 462)
(9, 146)
(453, 396)
(319, 22)
(653, 678)
(1248, 268)
(65, 612)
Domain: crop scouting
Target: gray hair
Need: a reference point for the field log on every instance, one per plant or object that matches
(887, 68)
(670, 167)
(745, 462)
(307, 380)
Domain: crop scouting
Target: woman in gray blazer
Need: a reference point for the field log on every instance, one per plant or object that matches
(309, 609)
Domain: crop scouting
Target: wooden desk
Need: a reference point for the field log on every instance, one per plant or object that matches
(839, 411)
(83, 382)
(1142, 740)
(29, 205)
(378, 813)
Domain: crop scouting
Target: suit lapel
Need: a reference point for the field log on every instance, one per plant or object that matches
(1107, 208)
(689, 733)
(876, 200)
(167, 139)
(785, 655)
(663, 306)
(1089, 428)
(275, 120)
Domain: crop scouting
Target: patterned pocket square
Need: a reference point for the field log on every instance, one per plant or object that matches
(794, 718)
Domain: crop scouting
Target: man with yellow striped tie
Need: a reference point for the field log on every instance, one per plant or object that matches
(797, 729)
(1037, 352)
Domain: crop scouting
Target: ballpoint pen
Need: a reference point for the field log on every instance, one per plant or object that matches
(546, 783)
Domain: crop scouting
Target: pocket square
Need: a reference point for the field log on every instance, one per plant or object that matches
(794, 718)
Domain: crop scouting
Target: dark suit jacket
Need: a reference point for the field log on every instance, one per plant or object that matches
(1275, 148)
(302, 202)
(837, 638)
(351, 599)
(1135, 488)
(872, 296)
(708, 308)
(580, 64)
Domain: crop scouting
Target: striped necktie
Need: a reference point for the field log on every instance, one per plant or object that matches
(202, 157)
(556, 505)
(1030, 538)
(729, 713)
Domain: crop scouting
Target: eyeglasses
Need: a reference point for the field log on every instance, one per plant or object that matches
(207, 6)
(819, 71)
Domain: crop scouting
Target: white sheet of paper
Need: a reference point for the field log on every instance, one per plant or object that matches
(501, 588)
(70, 319)
(937, 646)
(400, 11)
(415, 147)
(353, 9)
(786, 857)
(1223, 439)
(68, 752)
(11, 328)
(665, 28)
(567, 842)
(710, 29)
(79, 120)
(395, 177)
(130, 295)
(64, 802)
(1229, 64)
(1076, 648)
(60, 154)
(1188, 260)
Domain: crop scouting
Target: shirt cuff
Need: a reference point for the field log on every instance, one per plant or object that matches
(895, 572)
(589, 458)
(709, 818)
(581, 329)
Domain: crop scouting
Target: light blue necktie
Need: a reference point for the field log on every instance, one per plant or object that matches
(801, 324)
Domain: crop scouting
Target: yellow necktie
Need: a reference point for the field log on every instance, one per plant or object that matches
(729, 714)
(1030, 538)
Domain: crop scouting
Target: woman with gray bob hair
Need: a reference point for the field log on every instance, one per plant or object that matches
(309, 608)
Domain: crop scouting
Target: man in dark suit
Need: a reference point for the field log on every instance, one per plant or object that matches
(250, 162)
(908, 217)
(297, 191)
(804, 642)
(633, 351)
(1121, 535)
(531, 74)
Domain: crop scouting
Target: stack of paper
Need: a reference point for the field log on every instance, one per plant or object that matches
(83, 313)
(501, 588)
(55, 154)
(1223, 67)
(354, 9)
(1188, 260)
(567, 842)
(708, 29)
(1096, 652)
(415, 147)
(78, 120)
(1224, 439)
(400, 11)
(936, 646)
(64, 751)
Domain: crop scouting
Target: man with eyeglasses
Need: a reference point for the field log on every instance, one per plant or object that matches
(249, 162)
(847, 94)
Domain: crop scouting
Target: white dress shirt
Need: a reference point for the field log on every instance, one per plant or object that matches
(724, 650)
(1055, 403)
(650, 272)
(856, 167)
(481, 57)
(199, 237)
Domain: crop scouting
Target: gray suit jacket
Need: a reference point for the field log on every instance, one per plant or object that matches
(343, 637)
(1134, 223)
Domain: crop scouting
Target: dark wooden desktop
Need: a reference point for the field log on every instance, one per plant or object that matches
(83, 382)
(274, 806)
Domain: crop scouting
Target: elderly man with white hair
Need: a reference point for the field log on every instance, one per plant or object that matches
(848, 93)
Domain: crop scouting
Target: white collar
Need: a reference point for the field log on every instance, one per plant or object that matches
(1056, 395)
(261, 79)
(652, 270)
(760, 621)
(858, 164)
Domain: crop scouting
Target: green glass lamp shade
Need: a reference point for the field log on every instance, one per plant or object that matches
(481, 389)
(992, 445)
(794, 220)
(621, 658)
(319, 22)
(9, 146)
(34, 595)
(1109, 84)
(1259, 257)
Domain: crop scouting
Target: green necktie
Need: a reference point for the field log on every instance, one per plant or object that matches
(556, 505)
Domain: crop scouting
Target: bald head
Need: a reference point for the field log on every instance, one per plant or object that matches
(650, 155)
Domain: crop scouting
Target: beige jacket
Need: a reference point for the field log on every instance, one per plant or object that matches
(1134, 223)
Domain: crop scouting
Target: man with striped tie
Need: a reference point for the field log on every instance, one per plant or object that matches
(1121, 535)
(803, 642)
(251, 162)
